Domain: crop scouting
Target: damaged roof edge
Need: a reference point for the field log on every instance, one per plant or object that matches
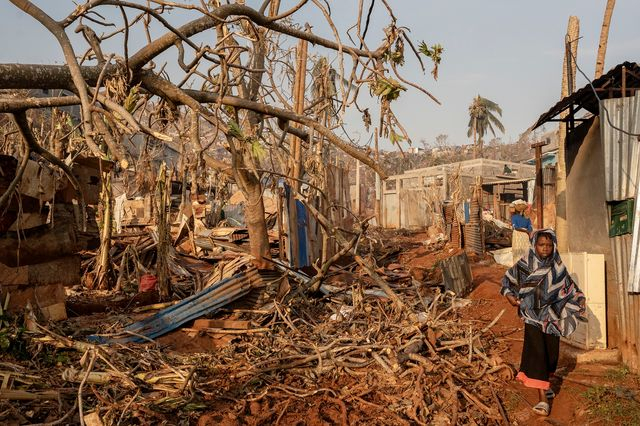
(585, 96)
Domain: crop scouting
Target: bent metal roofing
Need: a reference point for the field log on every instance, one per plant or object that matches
(607, 86)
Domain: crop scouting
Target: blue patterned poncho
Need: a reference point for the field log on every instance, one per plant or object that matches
(549, 298)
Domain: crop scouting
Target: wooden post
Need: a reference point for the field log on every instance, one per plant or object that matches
(104, 253)
(274, 7)
(496, 202)
(604, 37)
(298, 92)
(296, 150)
(358, 207)
(568, 75)
(163, 201)
(398, 189)
(539, 190)
(377, 207)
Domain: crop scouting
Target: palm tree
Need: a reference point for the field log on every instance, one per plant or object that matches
(482, 117)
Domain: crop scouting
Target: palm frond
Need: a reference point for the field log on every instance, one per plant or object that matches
(496, 122)
(490, 105)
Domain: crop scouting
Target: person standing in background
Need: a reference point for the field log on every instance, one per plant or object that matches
(522, 229)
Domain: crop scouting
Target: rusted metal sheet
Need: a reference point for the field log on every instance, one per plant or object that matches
(628, 303)
(452, 224)
(456, 274)
(621, 151)
(473, 238)
(473, 234)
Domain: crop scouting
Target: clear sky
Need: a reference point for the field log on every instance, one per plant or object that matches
(509, 51)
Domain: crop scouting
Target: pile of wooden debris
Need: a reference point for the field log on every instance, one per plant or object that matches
(372, 349)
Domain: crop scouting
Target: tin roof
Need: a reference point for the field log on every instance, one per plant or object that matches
(607, 86)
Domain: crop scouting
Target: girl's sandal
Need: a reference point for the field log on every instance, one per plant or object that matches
(550, 393)
(542, 408)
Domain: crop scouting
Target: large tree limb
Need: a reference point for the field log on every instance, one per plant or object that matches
(288, 115)
(163, 88)
(53, 76)
(21, 104)
(70, 57)
(150, 51)
(36, 76)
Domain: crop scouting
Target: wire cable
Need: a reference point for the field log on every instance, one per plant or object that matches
(595, 92)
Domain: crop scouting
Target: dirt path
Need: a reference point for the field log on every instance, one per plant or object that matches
(571, 404)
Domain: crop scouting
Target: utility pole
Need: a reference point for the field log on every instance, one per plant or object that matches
(568, 77)
(539, 190)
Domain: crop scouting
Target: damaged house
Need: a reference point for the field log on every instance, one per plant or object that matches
(602, 213)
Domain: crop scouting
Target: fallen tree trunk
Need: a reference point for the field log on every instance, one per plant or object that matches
(38, 245)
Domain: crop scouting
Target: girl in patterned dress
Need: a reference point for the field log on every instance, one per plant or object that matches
(550, 303)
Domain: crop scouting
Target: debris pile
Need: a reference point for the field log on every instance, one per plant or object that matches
(374, 345)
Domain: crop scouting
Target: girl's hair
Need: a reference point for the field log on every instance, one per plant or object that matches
(543, 234)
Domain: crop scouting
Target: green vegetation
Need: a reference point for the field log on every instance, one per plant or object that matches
(613, 405)
(618, 373)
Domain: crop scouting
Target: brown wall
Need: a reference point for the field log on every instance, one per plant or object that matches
(587, 214)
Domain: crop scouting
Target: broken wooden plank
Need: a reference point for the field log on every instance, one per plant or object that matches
(20, 395)
(225, 331)
(93, 419)
(200, 324)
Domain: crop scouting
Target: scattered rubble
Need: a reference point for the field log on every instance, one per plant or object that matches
(352, 354)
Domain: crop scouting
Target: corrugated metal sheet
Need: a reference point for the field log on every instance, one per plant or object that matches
(473, 235)
(584, 97)
(622, 159)
(634, 268)
(456, 274)
(621, 151)
(628, 303)
(622, 168)
(205, 302)
(473, 238)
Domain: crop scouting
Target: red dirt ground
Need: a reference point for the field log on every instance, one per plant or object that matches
(568, 408)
